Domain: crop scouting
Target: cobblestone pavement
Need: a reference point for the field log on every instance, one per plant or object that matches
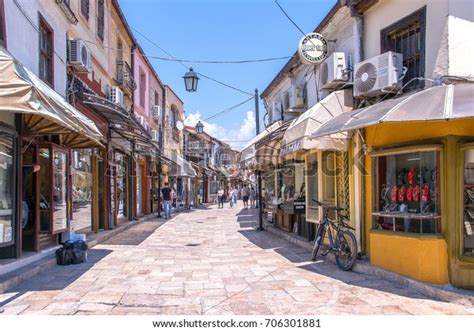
(210, 262)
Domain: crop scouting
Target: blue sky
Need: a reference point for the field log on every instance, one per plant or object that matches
(222, 30)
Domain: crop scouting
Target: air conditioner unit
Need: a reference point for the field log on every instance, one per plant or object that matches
(297, 98)
(155, 135)
(156, 111)
(275, 112)
(79, 55)
(115, 95)
(333, 71)
(378, 75)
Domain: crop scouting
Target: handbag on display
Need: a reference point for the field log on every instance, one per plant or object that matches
(416, 193)
(411, 175)
(410, 193)
(394, 193)
(402, 193)
(425, 193)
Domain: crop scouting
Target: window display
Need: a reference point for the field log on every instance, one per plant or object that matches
(53, 189)
(6, 189)
(329, 177)
(407, 192)
(81, 190)
(269, 194)
(468, 249)
(59, 191)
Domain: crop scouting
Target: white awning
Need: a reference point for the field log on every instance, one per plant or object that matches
(248, 153)
(181, 168)
(297, 136)
(45, 111)
(437, 103)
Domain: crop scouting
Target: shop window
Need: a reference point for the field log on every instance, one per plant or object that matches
(81, 190)
(142, 88)
(59, 191)
(329, 177)
(214, 186)
(3, 32)
(6, 189)
(312, 182)
(468, 241)
(85, 6)
(46, 52)
(269, 192)
(408, 38)
(406, 192)
(100, 19)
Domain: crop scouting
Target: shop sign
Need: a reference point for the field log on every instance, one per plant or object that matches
(313, 48)
(291, 147)
(299, 207)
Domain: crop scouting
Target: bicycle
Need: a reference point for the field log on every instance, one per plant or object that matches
(345, 243)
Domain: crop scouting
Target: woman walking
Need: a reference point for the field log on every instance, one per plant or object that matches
(233, 197)
(253, 197)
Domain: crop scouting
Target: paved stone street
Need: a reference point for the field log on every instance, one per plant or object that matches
(210, 262)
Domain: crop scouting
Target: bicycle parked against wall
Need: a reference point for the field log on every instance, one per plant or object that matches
(341, 240)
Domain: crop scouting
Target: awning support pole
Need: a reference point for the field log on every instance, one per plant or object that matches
(259, 173)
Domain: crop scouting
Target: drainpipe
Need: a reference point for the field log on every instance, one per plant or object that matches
(359, 201)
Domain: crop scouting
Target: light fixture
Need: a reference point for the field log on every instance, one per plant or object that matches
(191, 80)
(199, 127)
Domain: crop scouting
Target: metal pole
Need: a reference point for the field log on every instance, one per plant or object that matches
(259, 172)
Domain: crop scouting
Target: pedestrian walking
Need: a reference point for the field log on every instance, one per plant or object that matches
(220, 197)
(245, 196)
(233, 197)
(252, 196)
(166, 196)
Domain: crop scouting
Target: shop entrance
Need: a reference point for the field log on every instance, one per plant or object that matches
(29, 223)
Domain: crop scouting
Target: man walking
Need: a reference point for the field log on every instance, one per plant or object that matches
(166, 196)
(245, 196)
(220, 197)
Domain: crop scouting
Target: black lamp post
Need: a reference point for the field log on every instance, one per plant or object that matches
(191, 80)
(199, 127)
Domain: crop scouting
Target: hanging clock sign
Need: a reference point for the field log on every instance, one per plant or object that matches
(313, 48)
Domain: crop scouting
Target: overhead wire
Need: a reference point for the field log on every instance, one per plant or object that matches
(228, 109)
(182, 64)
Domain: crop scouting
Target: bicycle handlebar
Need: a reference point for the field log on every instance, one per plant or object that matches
(328, 206)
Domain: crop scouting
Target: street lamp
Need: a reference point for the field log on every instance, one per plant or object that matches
(191, 80)
(199, 127)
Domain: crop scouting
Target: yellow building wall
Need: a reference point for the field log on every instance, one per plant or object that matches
(421, 258)
(415, 257)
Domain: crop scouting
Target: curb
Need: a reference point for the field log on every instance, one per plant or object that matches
(20, 275)
(446, 293)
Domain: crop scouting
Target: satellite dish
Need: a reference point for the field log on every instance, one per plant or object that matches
(179, 125)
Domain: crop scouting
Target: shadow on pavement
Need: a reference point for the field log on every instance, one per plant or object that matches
(137, 234)
(322, 266)
(55, 278)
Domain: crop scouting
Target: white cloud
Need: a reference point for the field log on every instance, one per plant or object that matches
(237, 138)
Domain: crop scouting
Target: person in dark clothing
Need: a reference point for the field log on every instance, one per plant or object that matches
(166, 196)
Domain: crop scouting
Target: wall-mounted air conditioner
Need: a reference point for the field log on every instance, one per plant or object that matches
(115, 95)
(297, 98)
(79, 55)
(333, 71)
(378, 75)
(156, 111)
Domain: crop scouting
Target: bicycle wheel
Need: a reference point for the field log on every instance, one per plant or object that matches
(318, 240)
(347, 252)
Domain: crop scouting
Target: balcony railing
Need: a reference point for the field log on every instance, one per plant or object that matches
(125, 77)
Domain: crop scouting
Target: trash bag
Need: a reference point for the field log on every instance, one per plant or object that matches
(64, 256)
(72, 252)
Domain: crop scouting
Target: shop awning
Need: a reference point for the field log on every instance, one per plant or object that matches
(266, 139)
(437, 103)
(181, 168)
(45, 111)
(297, 136)
(121, 122)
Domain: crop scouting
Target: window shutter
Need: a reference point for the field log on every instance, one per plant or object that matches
(85, 8)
